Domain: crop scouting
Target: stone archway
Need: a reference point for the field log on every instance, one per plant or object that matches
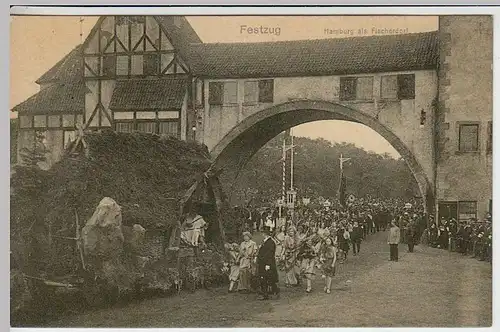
(236, 148)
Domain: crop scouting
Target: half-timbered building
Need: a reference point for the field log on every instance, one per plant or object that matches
(130, 74)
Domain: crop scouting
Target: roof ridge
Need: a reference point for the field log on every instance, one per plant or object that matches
(402, 35)
(58, 64)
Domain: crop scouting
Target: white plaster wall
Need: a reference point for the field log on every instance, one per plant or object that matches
(401, 117)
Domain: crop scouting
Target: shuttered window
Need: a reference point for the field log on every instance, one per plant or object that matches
(151, 64)
(348, 88)
(406, 86)
(230, 92)
(169, 128)
(146, 127)
(216, 93)
(109, 65)
(251, 92)
(124, 127)
(468, 138)
(489, 145)
(266, 91)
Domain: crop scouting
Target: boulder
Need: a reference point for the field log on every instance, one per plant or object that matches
(102, 235)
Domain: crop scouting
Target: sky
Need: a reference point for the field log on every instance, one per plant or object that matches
(37, 43)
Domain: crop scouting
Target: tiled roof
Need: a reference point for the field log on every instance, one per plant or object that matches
(316, 57)
(57, 98)
(67, 69)
(149, 94)
(180, 32)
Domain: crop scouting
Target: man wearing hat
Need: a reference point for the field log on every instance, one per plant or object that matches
(266, 266)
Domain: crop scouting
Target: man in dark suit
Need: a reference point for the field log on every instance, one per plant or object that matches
(356, 236)
(266, 266)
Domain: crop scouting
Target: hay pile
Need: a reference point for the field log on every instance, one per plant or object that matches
(145, 174)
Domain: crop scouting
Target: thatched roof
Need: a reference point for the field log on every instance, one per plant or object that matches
(145, 174)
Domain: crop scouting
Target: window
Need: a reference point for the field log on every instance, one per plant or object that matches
(122, 65)
(170, 128)
(230, 92)
(68, 120)
(467, 210)
(266, 91)
(79, 119)
(54, 121)
(69, 136)
(489, 144)
(40, 121)
(146, 127)
(25, 121)
(389, 87)
(151, 64)
(251, 92)
(364, 88)
(137, 65)
(216, 93)
(124, 127)
(348, 88)
(356, 88)
(397, 87)
(468, 138)
(109, 65)
(406, 86)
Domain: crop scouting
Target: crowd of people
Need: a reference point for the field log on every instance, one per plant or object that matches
(316, 239)
(468, 237)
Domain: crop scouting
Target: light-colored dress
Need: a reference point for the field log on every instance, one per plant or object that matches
(248, 252)
(280, 239)
(235, 268)
(291, 268)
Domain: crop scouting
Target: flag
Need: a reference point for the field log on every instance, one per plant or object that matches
(342, 189)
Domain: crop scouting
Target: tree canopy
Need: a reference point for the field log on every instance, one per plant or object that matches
(317, 172)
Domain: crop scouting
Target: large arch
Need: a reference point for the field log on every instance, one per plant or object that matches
(236, 148)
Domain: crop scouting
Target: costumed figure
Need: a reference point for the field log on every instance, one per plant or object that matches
(328, 259)
(248, 250)
(290, 257)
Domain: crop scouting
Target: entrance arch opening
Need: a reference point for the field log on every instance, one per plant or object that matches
(236, 148)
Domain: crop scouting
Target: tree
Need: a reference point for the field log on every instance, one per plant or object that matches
(317, 170)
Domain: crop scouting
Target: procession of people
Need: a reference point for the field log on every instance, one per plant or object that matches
(315, 241)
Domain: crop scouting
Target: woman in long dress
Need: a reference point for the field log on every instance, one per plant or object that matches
(328, 258)
(280, 239)
(307, 256)
(234, 253)
(290, 253)
(248, 252)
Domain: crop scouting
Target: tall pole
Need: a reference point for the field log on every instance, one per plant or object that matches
(291, 160)
(283, 182)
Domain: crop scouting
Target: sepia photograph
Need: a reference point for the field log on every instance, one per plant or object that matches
(172, 171)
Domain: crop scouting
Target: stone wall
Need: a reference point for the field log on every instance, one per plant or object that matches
(465, 96)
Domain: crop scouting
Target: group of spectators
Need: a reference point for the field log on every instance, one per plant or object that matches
(468, 237)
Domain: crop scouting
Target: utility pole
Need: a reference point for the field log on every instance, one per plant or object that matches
(283, 182)
(341, 160)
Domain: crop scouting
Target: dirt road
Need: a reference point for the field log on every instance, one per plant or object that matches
(427, 288)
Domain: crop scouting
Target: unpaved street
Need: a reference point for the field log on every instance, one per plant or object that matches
(430, 287)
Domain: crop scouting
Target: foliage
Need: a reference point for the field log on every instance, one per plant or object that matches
(13, 140)
(145, 174)
(317, 170)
